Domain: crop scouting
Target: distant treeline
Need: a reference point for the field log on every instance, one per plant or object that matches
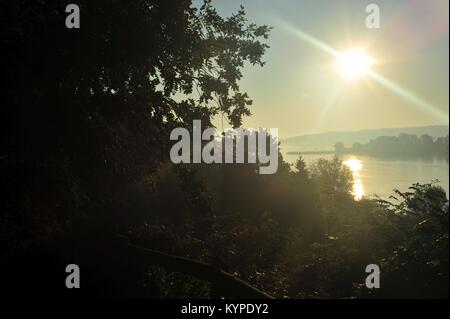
(403, 145)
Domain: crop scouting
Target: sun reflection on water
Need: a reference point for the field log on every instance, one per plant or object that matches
(355, 166)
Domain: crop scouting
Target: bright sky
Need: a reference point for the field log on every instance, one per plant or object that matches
(300, 90)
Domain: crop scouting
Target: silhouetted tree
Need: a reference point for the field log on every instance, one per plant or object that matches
(87, 112)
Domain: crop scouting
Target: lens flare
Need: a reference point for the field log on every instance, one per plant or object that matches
(354, 64)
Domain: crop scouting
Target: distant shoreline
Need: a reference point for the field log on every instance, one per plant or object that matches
(309, 152)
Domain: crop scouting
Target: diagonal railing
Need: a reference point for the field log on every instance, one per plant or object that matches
(223, 283)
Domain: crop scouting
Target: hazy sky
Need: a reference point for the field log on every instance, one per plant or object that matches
(299, 89)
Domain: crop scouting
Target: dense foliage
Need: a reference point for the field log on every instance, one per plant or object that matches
(300, 233)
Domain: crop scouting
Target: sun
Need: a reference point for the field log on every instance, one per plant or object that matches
(354, 64)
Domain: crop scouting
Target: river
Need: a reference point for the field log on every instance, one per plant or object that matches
(380, 175)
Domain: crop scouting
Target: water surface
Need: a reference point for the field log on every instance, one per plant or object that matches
(381, 175)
